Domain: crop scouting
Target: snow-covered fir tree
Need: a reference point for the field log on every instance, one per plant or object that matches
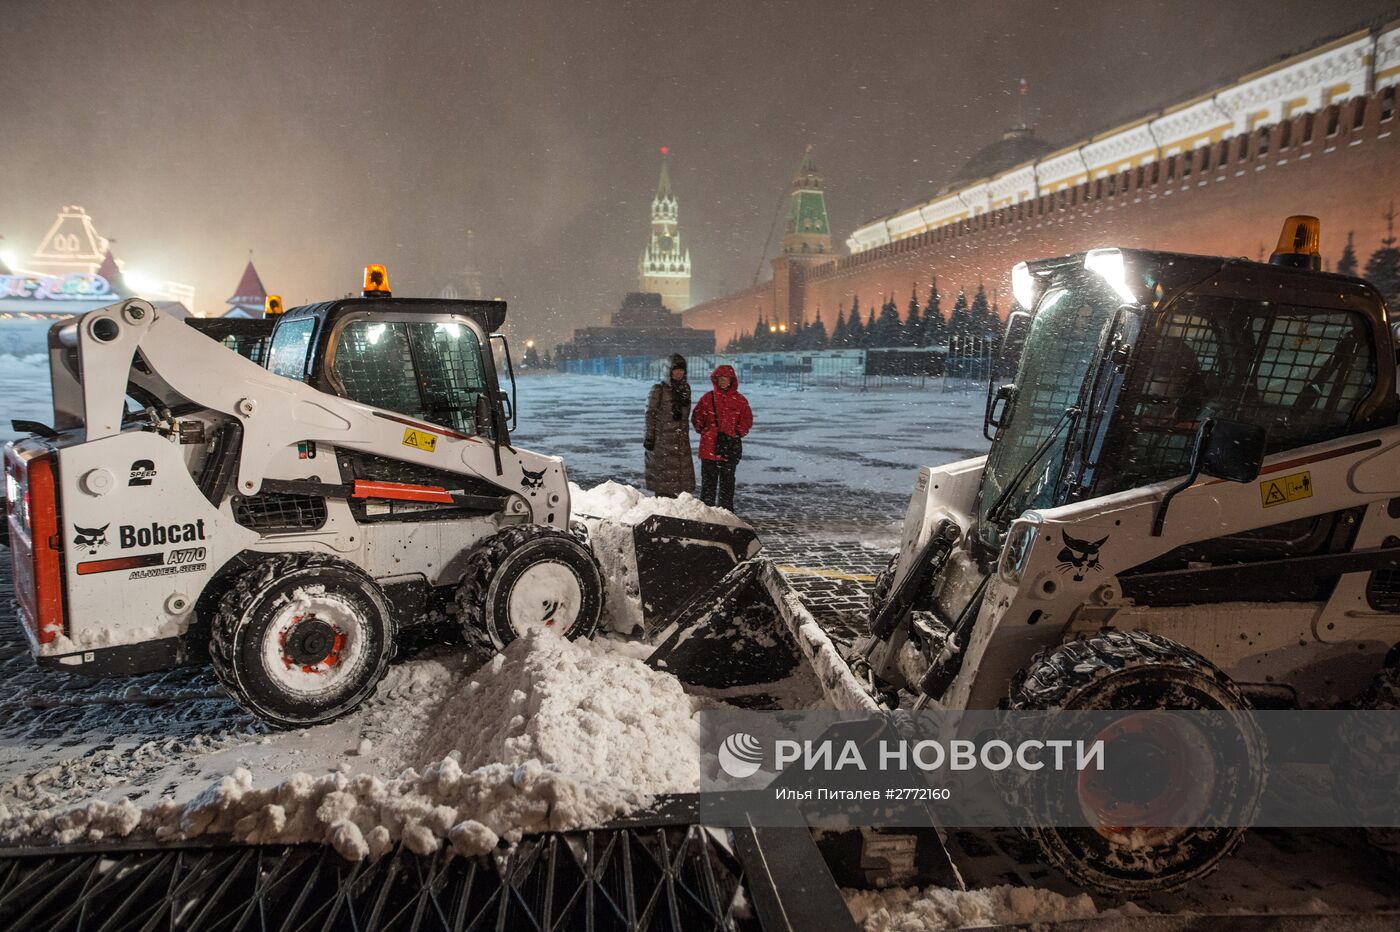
(1346, 265)
(1383, 268)
(913, 321)
(959, 322)
(935, 332)
(888, 331)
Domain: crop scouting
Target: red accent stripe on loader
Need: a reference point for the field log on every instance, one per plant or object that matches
(36, 555)
(401, 491)
(120, 563)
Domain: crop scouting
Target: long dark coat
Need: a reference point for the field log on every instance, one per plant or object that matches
(670, 469)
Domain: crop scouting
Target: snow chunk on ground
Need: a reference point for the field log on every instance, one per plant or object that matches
(618, 502)
(549, 736)
(934, 909)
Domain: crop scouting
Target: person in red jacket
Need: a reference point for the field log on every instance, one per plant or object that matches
(723, 418)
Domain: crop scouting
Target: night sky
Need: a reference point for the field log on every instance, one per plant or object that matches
(323, 135)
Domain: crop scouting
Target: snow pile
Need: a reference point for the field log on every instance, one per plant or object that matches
(617, 502)
(934, 909)
(611, 511)
(549, 736)
(596, 717)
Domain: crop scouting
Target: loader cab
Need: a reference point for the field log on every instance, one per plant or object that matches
(1128, 351)
(427, 359)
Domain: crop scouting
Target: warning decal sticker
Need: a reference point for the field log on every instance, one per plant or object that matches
(1285, 489)
(420, 440)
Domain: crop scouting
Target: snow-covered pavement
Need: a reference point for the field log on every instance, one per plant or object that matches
(825, 479)
(824, 476)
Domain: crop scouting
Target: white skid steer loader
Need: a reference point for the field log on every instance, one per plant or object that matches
(1191, 501)
(287, 519)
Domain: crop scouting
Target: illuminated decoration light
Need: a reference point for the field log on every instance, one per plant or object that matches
(529, 344)
(376, 282)
(772, 328)
(8, 257)
(272, 305)
(1299, 243)
(1108, 265)
(1023, 285)
(782, 327)
(75, 286)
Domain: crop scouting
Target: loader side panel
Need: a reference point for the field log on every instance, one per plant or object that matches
(140, 542)
(1192, 574)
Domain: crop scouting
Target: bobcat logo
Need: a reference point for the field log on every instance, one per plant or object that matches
(532, 480)
(1080, 555)
(91, 537)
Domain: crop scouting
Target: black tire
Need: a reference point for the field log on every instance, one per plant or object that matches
(355, 625)
(484, 600)
(1138, 671)
(1366, 764)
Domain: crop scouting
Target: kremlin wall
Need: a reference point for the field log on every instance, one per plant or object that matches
(1313, 134)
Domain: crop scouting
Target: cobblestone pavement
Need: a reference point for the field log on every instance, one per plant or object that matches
(830, 538)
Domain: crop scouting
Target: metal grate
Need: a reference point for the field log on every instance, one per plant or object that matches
(276, 511)
(427, 370)
(1299, 373)
(1383, 591)
(676, 878)
(249, 347)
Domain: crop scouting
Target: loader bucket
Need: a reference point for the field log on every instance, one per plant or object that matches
(657, 564)
(750, 641)
(679, 558)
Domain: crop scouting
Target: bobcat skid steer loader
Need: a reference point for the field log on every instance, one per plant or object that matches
(286, 517)
(1191, 501)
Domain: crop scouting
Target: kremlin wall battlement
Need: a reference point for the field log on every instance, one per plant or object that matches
(1315, 134)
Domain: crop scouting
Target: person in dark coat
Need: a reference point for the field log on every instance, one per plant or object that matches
(723, 418)
(670, 469)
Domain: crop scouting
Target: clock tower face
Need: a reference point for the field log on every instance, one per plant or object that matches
(666, 242)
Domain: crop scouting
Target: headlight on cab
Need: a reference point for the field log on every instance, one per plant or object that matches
(1017, 551)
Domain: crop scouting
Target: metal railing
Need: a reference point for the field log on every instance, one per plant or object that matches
(959, 367)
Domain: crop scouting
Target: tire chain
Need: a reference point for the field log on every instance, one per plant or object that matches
(233, 605)
(482, 566)
(1057, 673)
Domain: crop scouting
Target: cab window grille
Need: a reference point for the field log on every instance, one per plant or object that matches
(426, 370)
(275, 511)
(249, 347)
(1299, 373)
(287, 354)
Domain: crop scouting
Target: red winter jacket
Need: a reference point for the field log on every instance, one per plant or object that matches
(735, 417)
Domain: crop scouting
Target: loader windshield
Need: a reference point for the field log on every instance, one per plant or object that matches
(426, 369)
(1063, 348)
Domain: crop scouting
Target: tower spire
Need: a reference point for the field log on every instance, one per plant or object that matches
(808, 234)
(665, 266)
(663, 186)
